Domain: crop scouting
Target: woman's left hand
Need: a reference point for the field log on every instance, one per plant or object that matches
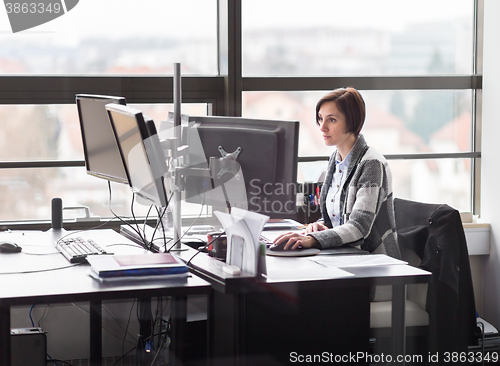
(296, 240)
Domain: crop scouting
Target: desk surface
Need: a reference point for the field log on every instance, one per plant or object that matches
(301, 271)
(293, 287)
(39, 274)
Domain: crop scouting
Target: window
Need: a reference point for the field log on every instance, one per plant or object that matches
(116, 37)
(416, 64)
(51, 133)
(357, 37)
(398, 122)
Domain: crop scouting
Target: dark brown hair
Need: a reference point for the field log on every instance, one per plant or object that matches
(350, 103)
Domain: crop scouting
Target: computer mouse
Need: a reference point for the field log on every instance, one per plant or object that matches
(9, 247)
(281, 247)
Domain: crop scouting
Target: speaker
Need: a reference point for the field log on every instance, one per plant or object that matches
(28, 347)
(57, 214)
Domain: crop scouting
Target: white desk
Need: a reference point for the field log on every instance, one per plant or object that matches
(318, 304)
(43, 283)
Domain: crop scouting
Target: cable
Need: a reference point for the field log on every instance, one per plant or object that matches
(42, 270)
(118, 217)
(205, 247)
(161, 213)
(126, 328)
(32, 323)
(134, 245)
(39, 322)
(103, 327)
(27, 253)
(135, 220)
(145, 318)
(118, 323)
(189, 228)
(84, 230)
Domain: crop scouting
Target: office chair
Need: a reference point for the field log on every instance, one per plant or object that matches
(440, 316)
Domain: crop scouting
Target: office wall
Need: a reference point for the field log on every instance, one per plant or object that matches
(490, 174)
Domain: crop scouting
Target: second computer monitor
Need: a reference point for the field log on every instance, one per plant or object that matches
(141, 155)
(102, 157)
(259, 154)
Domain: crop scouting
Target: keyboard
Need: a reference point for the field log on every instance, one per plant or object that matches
(77, 249)
(265, 240)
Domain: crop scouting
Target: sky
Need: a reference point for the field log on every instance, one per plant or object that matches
(126, 18)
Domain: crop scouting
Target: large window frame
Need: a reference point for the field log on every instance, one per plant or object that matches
(223, 92)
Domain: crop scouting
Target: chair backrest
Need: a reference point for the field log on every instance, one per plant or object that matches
(434, 234)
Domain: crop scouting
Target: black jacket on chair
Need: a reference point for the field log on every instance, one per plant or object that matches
(435, 233)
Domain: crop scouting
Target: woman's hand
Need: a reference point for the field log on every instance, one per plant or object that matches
(296, 240)
(315, 226)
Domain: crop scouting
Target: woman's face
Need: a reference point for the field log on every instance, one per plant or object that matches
(332, 124)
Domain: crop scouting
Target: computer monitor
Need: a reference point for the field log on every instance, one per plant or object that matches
(141, 155)
(258, 156)
(102, 157)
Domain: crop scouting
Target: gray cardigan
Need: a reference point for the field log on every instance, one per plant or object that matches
(366, 203)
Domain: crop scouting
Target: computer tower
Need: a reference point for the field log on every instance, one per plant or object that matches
(28, 347)
(487, 351)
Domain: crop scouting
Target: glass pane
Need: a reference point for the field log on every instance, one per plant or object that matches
(52, 132)
(432, 181)
(397, 122)
(357, 37)
(116, 37)
(27, 194)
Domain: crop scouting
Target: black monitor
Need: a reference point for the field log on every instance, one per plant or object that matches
(102, 157)
(141, 155)
(253, 160)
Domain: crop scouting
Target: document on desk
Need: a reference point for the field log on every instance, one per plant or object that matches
(301, 269)
(361, 260)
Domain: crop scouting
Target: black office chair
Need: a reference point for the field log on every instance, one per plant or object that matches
(440, 316)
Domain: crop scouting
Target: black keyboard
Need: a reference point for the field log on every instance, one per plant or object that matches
(77, 249)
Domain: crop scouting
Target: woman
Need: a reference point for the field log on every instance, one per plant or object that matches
(356, 198)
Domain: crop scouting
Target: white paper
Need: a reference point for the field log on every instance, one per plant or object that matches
(298, 269)
(254, 221)
(293, 275)
(361, 260)
(243, 229)
(240, 246)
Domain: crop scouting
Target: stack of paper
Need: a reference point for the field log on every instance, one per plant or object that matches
(108, 267)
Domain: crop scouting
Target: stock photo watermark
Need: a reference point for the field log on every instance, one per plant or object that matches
(25, 15)
(387, 359)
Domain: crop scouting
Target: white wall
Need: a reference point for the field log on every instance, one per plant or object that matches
(490, 162)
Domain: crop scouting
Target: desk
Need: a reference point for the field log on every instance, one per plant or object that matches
(73, 284)
(256, 318)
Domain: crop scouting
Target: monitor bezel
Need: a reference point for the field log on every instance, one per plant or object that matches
(150, 146)
(290, 128)
(88, 164)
